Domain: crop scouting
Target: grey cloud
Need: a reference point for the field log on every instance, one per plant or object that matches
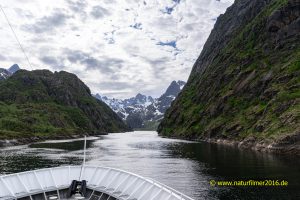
(54, 62)
(36, 40)
(115, 88)
(92, 63)
(123, 88)
(115, 85)
(117, 63)
(189, 27)
(99, 12)
(158, 65)
(48, 23)
(77, 6)
(157, 62)
(2, 57)
(109, 1)
(164, 23)
(107, 65)
(132, 50)
(23, 13)
(104, 64)
(75, 56)
(49, 60)
(119, 94)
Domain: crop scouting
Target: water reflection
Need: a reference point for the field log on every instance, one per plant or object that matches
(12, 162)
(230, 163)
(68, 145)
(185, 166)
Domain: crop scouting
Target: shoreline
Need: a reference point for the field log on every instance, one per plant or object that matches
(26, 141)
(260, 146)
(289, 145)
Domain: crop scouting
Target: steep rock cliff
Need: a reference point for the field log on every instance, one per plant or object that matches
(245, 84)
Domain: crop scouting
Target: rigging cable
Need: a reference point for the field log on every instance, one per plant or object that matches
(16, 37)
(84, 155)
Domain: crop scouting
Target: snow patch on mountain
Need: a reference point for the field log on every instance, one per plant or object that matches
(5, 73)
(144, 111)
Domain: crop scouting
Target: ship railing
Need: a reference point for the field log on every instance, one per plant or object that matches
(115, 182)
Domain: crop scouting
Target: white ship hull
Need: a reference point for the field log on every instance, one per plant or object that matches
(102, 183)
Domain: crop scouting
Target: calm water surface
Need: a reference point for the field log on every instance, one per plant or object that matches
(186, 166)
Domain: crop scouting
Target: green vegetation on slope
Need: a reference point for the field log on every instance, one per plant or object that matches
(250, 89)
(45, 104)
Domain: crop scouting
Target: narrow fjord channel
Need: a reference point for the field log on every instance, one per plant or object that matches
(186, 166)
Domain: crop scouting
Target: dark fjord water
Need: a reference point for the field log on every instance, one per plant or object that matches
(186, 166)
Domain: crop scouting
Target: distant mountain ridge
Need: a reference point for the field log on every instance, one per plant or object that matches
(5, 73)
(141, 111)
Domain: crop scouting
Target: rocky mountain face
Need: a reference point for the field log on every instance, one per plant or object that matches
(141, 111)
(42, 103)
(14, 68)
(245, 85)
(5, 73)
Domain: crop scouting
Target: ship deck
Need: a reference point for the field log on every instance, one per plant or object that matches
(103, 183)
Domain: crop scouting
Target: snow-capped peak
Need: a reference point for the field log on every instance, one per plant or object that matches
(141, 109)
(5, 73)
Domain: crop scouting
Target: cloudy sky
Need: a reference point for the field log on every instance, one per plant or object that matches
(117, 47)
